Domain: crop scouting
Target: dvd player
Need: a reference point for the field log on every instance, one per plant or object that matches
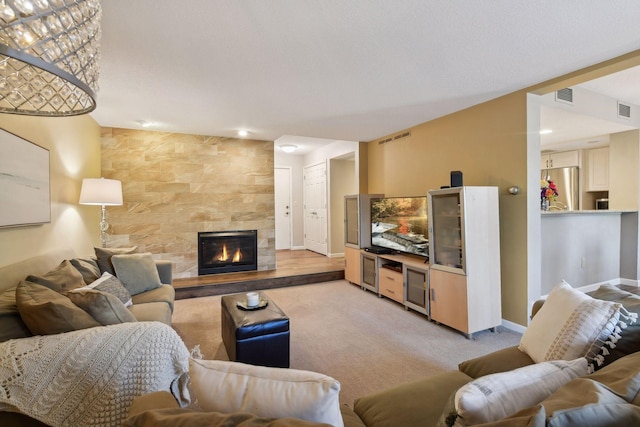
(379, 250)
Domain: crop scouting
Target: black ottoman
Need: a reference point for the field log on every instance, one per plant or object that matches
(258, 337)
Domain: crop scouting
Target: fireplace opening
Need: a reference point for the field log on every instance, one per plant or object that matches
(227, 251)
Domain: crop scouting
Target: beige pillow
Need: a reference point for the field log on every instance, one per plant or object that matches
(496, 396)
(61, 279)
(88, 267)
(569, 325)
(104, 255)
(229, 387)
(46, 312)
(137, 272)
(102, 306)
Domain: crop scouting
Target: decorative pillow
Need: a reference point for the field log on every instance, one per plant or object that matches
(630, 341)
(496, 396)
(61, 279)
(104, 255)
(88, 267)
(137, 272)
(569, 325)
(112, 285)
(229, 387)
(506, 359)
(102, 306)
(46, 311)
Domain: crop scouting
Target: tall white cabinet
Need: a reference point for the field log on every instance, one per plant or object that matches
(464, 252)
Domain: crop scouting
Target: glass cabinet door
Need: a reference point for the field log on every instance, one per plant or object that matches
(447, 231)
(352, 228)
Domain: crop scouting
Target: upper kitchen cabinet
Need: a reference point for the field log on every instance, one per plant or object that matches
(560, 159)
(598, 169)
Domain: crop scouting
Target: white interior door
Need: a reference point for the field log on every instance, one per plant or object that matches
(315, 208)
(282, 190)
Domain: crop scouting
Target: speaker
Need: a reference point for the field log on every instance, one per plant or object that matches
(456, 179)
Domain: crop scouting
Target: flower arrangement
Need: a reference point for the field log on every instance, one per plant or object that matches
(548, 190)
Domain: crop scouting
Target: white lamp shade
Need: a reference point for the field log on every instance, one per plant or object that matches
(100, 191)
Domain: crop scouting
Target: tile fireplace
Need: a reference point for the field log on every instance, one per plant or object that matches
(227, 251)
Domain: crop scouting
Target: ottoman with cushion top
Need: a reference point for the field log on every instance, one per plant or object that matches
(258, 337)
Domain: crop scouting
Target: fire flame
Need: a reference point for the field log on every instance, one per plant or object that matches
(224, 256)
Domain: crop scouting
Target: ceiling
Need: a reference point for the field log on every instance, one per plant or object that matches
(342, 70)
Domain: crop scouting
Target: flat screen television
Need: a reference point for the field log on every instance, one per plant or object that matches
(400, 224)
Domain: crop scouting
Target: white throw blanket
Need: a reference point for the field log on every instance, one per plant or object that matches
(90, 377)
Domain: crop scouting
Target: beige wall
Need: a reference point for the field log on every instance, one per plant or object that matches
(175, 185)
(342, 181)
(623, 170)
(74, 150)
(488, 143)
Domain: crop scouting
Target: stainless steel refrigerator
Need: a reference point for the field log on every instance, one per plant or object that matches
(568, 183)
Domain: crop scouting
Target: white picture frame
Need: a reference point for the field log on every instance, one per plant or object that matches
(25, 196)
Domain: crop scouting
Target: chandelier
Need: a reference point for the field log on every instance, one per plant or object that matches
(49, 52)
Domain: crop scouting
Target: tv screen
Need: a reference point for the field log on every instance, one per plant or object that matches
(400, 224)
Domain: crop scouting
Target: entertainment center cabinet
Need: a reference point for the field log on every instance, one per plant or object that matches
(460, 286)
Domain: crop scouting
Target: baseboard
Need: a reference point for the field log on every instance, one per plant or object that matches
(513, 326)
(298, 248)
(338, 255)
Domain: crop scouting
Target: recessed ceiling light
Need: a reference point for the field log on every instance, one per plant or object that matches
(545, 131)
(243, 133)
(144, 123)
(288, 148)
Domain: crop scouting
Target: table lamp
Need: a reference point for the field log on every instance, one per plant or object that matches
(103, 192)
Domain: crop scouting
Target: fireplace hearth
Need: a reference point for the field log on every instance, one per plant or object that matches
(227, 251)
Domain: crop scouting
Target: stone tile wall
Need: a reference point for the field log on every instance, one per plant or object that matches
(175, 185)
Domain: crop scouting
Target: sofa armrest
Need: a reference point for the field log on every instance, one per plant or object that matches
(155, 400)
(507, 359)
(165, 271)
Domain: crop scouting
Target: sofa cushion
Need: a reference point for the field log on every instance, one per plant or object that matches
(496, 396)
(88, 267)
(228, 387)
(46, 311)
(177, 417)
(138, 272)
(569, 325)
(103, 256)
(102, 306)
(502, 360)
(418, 403)
(112, 285)
(165, 293)
(61, 279)
(630, 336)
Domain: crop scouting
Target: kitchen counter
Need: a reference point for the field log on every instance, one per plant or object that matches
(591, 212)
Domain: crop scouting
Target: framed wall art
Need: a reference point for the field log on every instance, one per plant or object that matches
(25, 197)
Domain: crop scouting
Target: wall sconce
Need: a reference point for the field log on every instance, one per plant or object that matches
(103, 192)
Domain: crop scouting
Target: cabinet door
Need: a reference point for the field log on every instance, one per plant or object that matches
(598, 169)
(545, 161)
(446, 242)
(368, 269)
(352, 265)
(448, 299)
(564, 159)
(416, 287)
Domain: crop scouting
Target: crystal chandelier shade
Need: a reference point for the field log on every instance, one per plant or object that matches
(49, 54)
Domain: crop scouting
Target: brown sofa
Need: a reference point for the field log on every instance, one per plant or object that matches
(608, 397)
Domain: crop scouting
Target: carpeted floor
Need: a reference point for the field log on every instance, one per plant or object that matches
(365, 342)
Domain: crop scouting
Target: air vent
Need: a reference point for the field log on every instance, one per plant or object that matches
(624, 111)
(565, 95)
(395, 137)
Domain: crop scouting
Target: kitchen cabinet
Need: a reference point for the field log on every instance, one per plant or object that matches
(464, 252)
(598, 169)
(560, 159)
(352, 265)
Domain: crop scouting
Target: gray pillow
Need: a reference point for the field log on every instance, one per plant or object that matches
(104, 257)
(111, 285)
(102, 306)
(137, 272)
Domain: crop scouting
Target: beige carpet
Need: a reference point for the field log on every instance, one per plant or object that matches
(365, 342)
